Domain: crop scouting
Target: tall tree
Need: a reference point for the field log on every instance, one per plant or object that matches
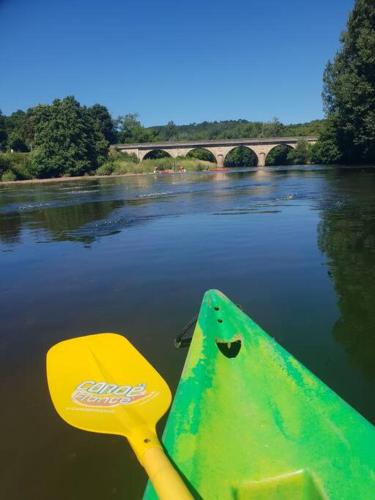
(170, 131)
(349, 89)
(273, 128)
(131, 130)
(104, 122)
(66, 140)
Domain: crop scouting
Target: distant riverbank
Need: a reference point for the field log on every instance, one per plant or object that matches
(15, 168)
(67, 179)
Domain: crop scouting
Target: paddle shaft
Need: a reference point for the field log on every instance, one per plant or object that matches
(164, 478)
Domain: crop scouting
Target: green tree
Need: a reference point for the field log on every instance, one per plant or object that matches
(103, 121)
(3, 132)
(326, 150)
(15, 125)
(349, 89)
(131, 130)
(300, 155)
(16, 142)
(234, 129)
(66, 141)
(171, 131)
(272, 129)
(279, 155)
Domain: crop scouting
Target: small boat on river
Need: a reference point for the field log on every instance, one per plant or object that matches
(223, 169)
(249, 421)
(166, 171)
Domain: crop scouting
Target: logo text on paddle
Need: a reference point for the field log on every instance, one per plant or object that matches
(104, 395)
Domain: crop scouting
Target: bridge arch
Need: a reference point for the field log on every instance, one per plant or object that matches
(241, 156)
(201, 153)
(153, 154)
(220, 148)
(278, 155)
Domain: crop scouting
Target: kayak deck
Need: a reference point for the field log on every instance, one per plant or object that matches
(250, 422)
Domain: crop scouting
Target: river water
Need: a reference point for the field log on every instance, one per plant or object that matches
(294, 246)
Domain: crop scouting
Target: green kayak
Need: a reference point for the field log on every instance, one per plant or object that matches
(250, 422)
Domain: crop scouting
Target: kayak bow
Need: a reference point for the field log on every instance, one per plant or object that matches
(250, 422)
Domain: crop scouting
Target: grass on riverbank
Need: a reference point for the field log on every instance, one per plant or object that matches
(118, 166)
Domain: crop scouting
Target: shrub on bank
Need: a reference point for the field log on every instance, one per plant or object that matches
(8, 175)
(177, 164)
(106, 169)
(120, 167)
(115, 154)
(14, 166)
(4, 164)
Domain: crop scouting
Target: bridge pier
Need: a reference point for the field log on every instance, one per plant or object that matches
(220, 160)
(261, 159)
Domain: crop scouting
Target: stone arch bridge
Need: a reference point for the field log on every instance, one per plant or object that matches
(219, 148)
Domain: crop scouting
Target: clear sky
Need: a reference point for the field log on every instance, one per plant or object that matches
(180, 60)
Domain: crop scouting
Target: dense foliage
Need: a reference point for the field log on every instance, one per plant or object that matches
(349, 92)
(18, 131)
(68, 139)
(130, 130)
(241, 157)
(64, 138)
(201, 154)
(234, 129)
(286, 155)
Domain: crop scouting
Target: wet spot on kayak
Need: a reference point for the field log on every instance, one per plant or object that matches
(229, 349)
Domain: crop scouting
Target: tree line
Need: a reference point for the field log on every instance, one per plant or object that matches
(67, 138)
(23, 131)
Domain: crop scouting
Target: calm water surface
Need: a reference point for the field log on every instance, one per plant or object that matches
(295, 247)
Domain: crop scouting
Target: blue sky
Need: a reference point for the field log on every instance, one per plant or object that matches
(186, 61)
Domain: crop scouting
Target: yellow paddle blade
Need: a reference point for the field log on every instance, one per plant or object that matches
(101, 383)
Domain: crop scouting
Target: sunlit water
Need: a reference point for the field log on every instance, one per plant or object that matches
(295, 247)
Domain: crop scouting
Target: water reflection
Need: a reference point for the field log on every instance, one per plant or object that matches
(86, 210)
(10, 228)
(58, 212)
(347, 236)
